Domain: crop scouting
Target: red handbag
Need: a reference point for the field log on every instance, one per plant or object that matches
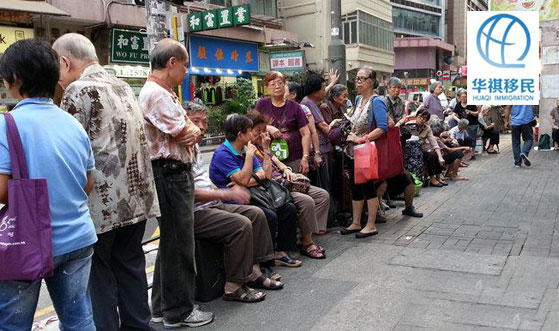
(365, 162)
(389, 151)
(390, 155)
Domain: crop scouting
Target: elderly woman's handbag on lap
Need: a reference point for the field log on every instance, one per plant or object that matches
(269, 194)
(365, 162)
(25, 222)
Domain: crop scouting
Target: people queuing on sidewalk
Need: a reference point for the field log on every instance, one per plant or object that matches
(272, 188)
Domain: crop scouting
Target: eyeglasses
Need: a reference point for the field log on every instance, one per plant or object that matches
(361, 79)
(276, 84)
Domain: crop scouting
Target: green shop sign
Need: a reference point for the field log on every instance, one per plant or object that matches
(219, 18)
(129, 47)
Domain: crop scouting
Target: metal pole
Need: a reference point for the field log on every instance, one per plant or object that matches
(336, 48)
(155, 22)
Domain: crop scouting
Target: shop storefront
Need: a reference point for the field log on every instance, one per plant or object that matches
(215, 65)
(415, 85)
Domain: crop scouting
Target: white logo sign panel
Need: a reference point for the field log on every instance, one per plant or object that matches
(503, 58)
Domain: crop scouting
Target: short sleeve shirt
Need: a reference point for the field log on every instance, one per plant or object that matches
(124, 192)
(331, 112)
(325, 146)
(225, 162)
(165, 118)
(433, 104)
(521, 115)
(56, 148)
(202, 181)
(455, 133)
(289, 119)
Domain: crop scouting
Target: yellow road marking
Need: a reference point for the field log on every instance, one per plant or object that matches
(47, 310)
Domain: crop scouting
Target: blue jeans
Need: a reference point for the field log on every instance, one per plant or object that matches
(527, 134)
(68, 291)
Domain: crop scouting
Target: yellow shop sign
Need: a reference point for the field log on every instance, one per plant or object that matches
(9, 35)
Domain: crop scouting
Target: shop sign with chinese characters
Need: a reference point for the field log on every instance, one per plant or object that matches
(219, 18)
(213, 53)
(503, 58)
(287, 61)
(129, 47)
(416, 81)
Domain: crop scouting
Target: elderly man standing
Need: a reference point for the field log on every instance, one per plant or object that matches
(172, 137)
(124, 196)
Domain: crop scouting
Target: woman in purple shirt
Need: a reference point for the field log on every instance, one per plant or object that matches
(289, 120)
(432, 101)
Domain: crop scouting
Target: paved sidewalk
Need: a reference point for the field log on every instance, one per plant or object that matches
(484, 257)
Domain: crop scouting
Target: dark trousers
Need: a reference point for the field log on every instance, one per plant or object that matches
(527, 134)
(467, 142)
(118, 282)
(285, 223)
(431, 161)
(175, 270)
(492, 135)
(555, 136)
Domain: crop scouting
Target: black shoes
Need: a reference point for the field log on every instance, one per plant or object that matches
(380, 219)
(361, 235)
(411, 211)
(345, 231)
(524, 158)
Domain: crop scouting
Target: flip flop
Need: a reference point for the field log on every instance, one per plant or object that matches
(313, 253)
(259, 283)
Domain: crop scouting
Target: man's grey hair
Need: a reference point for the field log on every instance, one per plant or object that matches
(336, 91)
(75, 46)
(393, 81)
(434, 86)
(462, 91)
(164, 51)
(463, 122)
(193, 108)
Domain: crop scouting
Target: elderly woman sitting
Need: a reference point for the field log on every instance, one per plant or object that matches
(312, 207)
(489, 131)
(432, 157)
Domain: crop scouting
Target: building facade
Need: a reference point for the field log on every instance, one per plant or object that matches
(456, 25)
(421, 52)
(367, 31)
(117, 29)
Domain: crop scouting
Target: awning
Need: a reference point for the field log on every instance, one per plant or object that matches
(32, 6)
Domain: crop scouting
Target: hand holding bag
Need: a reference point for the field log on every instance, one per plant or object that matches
(365, 162)
(25, 222)
(269, 194)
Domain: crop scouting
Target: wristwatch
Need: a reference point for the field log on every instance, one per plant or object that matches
(318, 152)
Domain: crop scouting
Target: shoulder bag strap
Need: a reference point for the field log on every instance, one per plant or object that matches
(17, 155)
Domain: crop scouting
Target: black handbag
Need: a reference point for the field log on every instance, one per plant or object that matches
(269, 194)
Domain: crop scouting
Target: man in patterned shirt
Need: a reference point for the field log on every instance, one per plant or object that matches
(124, 196)
(172, 137)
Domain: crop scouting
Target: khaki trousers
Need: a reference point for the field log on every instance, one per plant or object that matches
(243, 230)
